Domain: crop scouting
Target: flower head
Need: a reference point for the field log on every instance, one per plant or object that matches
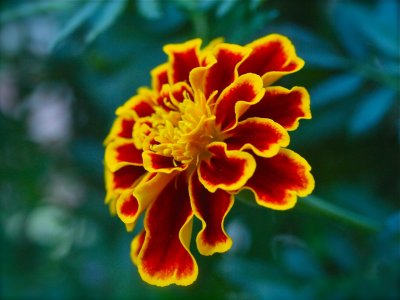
(210, 126)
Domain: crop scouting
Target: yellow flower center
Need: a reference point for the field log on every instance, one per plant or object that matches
(182, 132)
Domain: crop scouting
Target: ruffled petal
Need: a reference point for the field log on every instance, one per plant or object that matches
(136, 246)
(227, 170)
(211, 209)
(164, 257)
(124, 177)
(278, 180)
(120, 180)
(206, 54)
(142, 104)
(236, 98)
(284, 106)
(198, 75)
(224, 71)
(122, 152)
(121, 128)
(127, 207)
(153, 162)
(263, 136)
(159, 77)
(182, 58)
(171, 95)
(132, 202)
(273, 56)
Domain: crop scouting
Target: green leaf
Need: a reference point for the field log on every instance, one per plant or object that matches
(150, 9)
(29, 9)
(360, 28)
(224, 7)
(371, 110)
(254, 4)
(196, 6)
(76, 21)
(348, 31)
(335, 88)
(110, 11)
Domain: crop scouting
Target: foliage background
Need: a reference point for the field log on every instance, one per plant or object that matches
(67, 64)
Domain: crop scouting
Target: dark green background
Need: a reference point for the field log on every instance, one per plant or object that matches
(66, 66)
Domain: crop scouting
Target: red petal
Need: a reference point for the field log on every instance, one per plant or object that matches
(122, 152)
(149, 188)
(171, 95)
(142, 104)
(234, 100)
(227, 170)
(134, 200)
(224, 71)
(283, 106)
(165, 258)
(182, 59)
(122, 128)
(120, 180)
(263, 136)
(127, 207)
(159, 163)
(159, 77)
(278, 180)
(126, 176)
(206, 54)
(211, 209)
(272, 57)
(136, 246)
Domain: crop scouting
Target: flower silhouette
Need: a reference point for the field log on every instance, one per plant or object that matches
(210, 126)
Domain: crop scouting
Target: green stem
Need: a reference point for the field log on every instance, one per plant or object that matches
(200, 25)
(316, 205)
(320, 206)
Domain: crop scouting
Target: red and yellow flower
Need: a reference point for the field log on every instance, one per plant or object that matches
(210, 126)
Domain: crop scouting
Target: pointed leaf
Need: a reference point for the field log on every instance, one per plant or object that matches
(29, 9)
(371, 110)
(224, 7)
(334, 89)
(150, 9)
(76, 21)
(109, 13)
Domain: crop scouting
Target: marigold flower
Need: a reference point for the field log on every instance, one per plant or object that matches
(210, 126)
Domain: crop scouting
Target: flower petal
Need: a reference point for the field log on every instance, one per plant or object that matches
(224, 71)
(283, 106)
(182, 59)
(153, 162)
(206, 54)
(124, 177)
(120, 180)
(211, 209)
(227, 170)
(263, 136)
(142, 104)
(236, 98)
(136, 246)
(165, 258)
(159, 77)
(132, 202)
(121, 128)
(171, 95)
(127, 207)
(122, 152)
(273, 56)
(278, 180)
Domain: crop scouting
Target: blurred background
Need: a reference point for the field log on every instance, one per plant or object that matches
(66, 65)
